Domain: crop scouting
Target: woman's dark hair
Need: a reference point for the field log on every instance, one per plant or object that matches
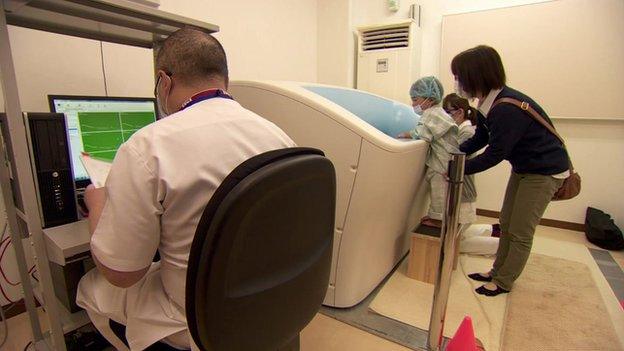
(455, 102)
(479, 70)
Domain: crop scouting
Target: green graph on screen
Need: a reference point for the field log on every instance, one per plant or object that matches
(103, 132)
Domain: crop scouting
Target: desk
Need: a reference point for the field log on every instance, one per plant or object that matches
(68, 242)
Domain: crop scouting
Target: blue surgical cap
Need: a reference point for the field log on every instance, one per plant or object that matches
(427, 87)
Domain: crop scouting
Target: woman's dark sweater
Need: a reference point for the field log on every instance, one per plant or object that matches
(512, 134)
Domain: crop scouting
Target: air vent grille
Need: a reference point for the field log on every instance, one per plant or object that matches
(385, 38)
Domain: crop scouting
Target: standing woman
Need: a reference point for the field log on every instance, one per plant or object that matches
(538, 159)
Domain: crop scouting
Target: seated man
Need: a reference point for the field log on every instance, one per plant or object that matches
(159, 183)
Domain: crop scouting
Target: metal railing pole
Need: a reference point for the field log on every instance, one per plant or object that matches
(448, 239)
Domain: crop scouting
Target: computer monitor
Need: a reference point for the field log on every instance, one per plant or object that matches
(99, 125)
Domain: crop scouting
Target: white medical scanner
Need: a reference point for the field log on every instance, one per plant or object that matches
(381, 192)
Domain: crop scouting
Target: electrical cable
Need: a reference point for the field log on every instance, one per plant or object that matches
(6, 327)
(4, 230)
(4, 321)
(11, 302)
(5, 294)
(8, 241)
(2, 269)
(103, 68)
(2, 241)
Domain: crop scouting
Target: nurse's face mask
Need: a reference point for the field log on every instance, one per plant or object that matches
(459, 90)
(420, 104)
(162, 105)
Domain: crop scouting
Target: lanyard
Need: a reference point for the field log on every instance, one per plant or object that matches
(206, 95)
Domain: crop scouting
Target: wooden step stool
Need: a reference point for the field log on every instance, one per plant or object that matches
(424, 255)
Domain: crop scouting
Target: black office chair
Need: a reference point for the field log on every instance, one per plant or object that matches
(259, 265)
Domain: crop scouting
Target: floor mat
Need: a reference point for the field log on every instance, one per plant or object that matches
(550, 244)
(409, 301)
(579, 253)
(555, 305)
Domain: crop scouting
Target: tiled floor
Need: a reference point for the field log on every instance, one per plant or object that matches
(328, 334)
(19, 334)
(323, 333)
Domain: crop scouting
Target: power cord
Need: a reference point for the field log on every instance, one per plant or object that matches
(5, 335)
(4, 321)
(4, 229)
(103, 68)
(27, 345)
(2, 241)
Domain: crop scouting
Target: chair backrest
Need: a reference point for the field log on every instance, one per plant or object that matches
(259, 264)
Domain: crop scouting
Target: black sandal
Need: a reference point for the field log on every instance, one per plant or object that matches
(480, 278)
(482, 290)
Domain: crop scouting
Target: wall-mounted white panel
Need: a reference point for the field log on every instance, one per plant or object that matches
(47, 63)
(129, 70)
(269, 39)
(568, 54)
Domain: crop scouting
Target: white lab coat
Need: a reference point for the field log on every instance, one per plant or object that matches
(159, 183)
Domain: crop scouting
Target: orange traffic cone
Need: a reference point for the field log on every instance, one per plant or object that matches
(464, 338)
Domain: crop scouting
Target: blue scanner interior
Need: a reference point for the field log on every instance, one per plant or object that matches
(388, 116)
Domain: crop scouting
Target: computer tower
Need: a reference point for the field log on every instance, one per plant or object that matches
(50, 158)
(65, 280)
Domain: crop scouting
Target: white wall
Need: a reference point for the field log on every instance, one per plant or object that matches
(558, 83)
(335, 43)
(597, 148)
(366, 12)
(269, 39)
(47, 63)
(450, 7)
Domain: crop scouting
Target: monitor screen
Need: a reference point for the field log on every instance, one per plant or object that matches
(99, 125)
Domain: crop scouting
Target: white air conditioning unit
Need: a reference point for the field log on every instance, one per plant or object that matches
(389, 59)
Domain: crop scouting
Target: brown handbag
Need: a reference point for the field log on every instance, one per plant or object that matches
(572, 184)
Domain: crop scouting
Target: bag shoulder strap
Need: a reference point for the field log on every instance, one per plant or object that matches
(531, 111)
(525, 106)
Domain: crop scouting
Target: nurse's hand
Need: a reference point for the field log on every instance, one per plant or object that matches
(404, 135)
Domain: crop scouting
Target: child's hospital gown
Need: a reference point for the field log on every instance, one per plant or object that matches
(439, 129)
